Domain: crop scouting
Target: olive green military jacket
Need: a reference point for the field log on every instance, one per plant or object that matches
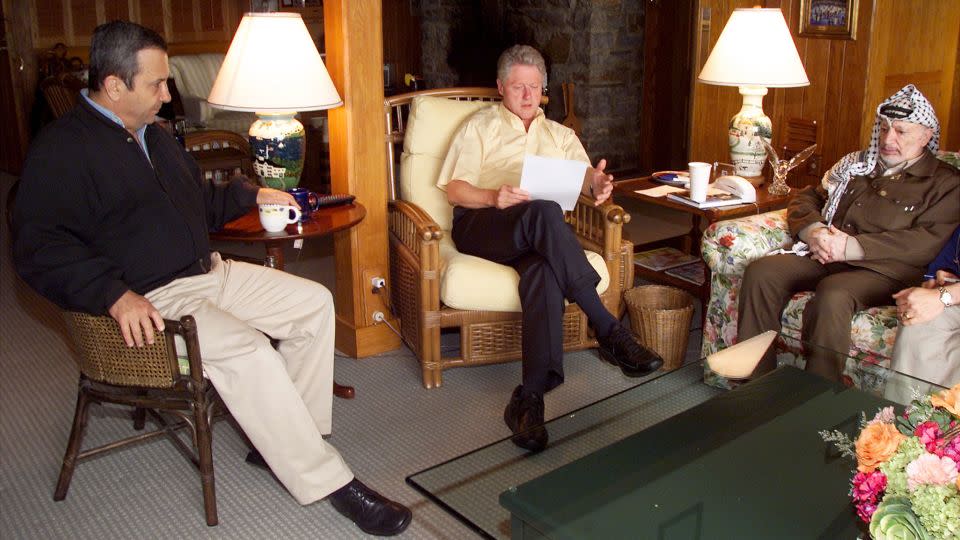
(901, 221)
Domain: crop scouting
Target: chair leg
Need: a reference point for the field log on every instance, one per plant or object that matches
(73, 445)
(204, 439)
(431, 363)
(432, 377)
(139, 418)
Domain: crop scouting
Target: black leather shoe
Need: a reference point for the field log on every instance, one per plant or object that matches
(371, 511)
(256, 459)
(524, 417)
(622, 349)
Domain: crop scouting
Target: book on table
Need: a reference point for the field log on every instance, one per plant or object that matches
(663, 258)
(695, 272)
(715, 197)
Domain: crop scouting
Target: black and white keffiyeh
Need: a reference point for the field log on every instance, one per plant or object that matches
(908, 105)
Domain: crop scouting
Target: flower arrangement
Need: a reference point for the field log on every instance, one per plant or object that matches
(906, 483)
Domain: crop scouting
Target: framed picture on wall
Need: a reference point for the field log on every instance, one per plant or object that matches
(263, 6)
(836, 19)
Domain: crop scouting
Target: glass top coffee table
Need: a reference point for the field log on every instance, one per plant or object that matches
(674, 457)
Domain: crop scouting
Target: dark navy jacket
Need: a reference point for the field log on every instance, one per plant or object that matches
(94, 218)
(949, 257)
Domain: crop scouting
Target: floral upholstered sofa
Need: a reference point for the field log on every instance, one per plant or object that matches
(729, 246)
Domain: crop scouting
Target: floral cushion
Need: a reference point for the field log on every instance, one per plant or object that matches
(729, 246)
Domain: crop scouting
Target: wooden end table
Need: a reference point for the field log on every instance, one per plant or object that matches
(325, 221)
(691, 240)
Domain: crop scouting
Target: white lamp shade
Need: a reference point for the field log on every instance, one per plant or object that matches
(273, 66)
(755, 49)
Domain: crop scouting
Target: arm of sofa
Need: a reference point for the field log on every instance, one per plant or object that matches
(729, 246)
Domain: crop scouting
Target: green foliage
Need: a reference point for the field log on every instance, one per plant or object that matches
(921, 411)
(841, 441)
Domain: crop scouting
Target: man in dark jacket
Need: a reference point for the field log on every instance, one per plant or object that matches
(879, 216)
(112, 216)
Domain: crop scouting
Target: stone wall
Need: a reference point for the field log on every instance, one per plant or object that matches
(595, 44)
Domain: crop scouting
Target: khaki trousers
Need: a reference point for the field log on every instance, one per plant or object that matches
(282, 398)
(840, 291)
(930, 351)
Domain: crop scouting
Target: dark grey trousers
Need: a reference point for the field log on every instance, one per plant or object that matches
(534, 239)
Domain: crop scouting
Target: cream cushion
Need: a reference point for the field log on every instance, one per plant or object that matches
(194, 74)
(466, 282)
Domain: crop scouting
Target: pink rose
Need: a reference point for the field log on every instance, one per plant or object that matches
(930, 469)
(928, 433)
(727, 240)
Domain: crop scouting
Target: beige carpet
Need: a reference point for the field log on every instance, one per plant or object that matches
(392, 429)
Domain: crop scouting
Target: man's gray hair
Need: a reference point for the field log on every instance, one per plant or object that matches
(114, 48)
(524, 55)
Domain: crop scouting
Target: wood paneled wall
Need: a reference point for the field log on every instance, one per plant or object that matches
(896, 42)
(401, 40)
(916, 42)
(71, 22)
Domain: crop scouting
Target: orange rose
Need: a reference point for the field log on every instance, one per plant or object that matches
(877, 442)
(948, 399)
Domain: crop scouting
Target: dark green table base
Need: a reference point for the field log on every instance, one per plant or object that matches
(745, 464)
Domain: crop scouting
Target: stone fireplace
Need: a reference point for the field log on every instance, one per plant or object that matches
(597, 45)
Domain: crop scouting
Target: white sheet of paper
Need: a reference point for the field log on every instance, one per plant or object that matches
(553, 179)
(660, 191)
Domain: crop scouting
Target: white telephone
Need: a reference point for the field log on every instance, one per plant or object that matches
(737, 186)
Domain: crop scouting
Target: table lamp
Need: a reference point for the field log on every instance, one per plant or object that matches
(755, 52)
(273, 68)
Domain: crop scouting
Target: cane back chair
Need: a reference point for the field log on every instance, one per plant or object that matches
(61, 93)
(148, 378)
(219, 153)
(420, 249)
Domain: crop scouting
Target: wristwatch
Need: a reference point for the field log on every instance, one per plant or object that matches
(946, 297)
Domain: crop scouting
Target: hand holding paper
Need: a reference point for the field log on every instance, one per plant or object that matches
(558, 180)
(508, 196)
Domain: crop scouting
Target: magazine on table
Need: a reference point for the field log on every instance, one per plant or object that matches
(715, 197)
(726, 191)
(663, 258)
(694, 272)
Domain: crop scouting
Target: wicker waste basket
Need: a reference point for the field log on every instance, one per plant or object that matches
(660, 316)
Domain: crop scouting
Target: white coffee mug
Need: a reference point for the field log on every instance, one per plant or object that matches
(275, 217)
(699, 178)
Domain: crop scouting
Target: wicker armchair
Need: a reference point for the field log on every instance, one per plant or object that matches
(150, 378)
(418, 261)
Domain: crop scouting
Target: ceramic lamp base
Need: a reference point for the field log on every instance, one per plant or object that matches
(746, 128)
(277, 142)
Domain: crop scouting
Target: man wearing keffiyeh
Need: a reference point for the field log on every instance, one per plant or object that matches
(878, 217)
